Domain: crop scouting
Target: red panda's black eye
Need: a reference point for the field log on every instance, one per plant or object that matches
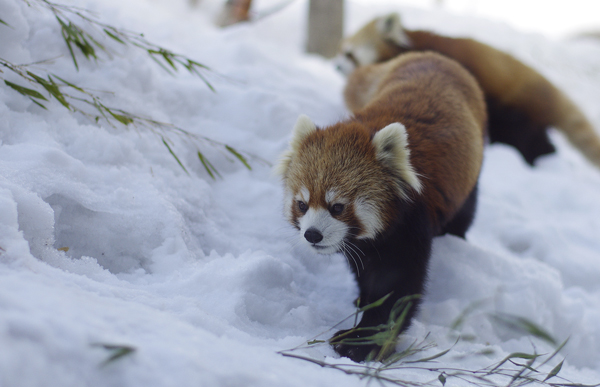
(336, 209)
(302, 206)
(351, 58)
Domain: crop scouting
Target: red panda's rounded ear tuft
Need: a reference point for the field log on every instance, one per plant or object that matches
(392, 150)
(303, 127)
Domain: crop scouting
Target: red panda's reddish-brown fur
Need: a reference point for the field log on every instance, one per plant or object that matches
(521, 102)
(379, 186)
(442, 100)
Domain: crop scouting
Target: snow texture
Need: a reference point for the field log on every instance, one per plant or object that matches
(204, 278)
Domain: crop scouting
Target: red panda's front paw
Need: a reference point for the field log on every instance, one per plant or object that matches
(351, 344)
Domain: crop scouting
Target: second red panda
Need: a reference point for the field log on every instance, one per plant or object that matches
(521, 103)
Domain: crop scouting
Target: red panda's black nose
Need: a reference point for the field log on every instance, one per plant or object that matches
(313, 235)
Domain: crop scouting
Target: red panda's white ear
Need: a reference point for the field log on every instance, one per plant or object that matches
(303, 127)
(391, 149)
(391, 28)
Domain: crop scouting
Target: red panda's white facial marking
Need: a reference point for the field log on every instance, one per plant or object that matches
(370, 217)
(319, 226)
(322, 231)
(355, 56)
(372, 44)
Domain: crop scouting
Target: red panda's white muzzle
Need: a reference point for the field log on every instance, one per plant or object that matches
(321, 231)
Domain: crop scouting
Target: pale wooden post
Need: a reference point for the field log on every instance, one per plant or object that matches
(325, 27)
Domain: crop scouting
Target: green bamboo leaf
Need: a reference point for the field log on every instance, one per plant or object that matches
(39, 104)
(121, 118)
(84, 46)
(114, 37)
(174, 155)
(25, 91)
(442, 379)
(239, 156)
(206, 82)
(208, 166)
(167, 57)
(118, 352)
(193, 63)
(375, 304)
(52, 88)
(152, 53)
(522, 324)
(313, 342)
(95, 42)
(69, 84)
(555, 371)
(425, 359)
(66, 34)
(5, 23)
(515, 355)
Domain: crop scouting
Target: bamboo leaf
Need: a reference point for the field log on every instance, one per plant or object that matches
(159, 62)
(208, 166)
(118, 352)
(554, 371)
(522, 324)
(121, 118)
(239, 156)
(442, 379)
(438, 355)
(52, 88)
(174, 155)
(114, 37)
(25, 91)
(5, 23)
(167, 57)
(39, 104)
(69, 84)
(68, 42)
(206, 82)
(515, 355)
(375, 304)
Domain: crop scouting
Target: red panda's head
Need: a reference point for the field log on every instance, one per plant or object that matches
(379, 40)
(341, 183)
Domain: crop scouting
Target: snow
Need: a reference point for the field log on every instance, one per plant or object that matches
(204, 277)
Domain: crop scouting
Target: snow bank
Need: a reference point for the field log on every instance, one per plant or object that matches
(105, 240)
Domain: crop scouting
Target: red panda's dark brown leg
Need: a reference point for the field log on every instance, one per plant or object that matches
(464, 217)
(510, 125)
(398, 267)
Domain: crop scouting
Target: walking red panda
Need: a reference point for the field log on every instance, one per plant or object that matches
(521, 103)
(380, 185)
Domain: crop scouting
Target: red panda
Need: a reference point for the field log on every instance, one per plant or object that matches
(380, 185)
(521, 103)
